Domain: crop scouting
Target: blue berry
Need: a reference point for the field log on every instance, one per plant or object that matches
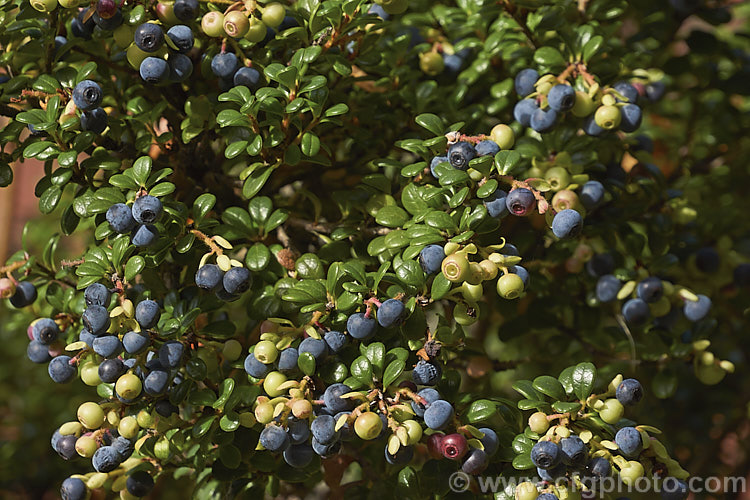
(299, 455)
(650, 289)
(390, 313)
(139, 483)
(674, 489)
(403, 455)
(224, 64)
(591, 128)
(156, 382)
(45, 331)
(591, 195)
(707, 260)
(124, 447)
(522, 273)
(425, 373)
(487, 148)
(209, 277)
(490, 441)
(237, 280)
(567, 223)
(452, 62)
(551, 475)
(298, 430)
(607, 288)
(255, 368)
(94, 121)
(249, 77)
(154, 70)
(144, 235)
(628, 91)
(185, 10)
(631, 117)
(435, 162)
(149, 37)
(741, 276)
(87, 95)
(120, 218)
(346, 433)
(561, 97)
(111, 369)
(96, 295)
(65, 446)
(629, 392)
(655, 91)
(182, 37)
(438, 415)
(333, 400)
(628, 439)
(547, 496)
(697, 310)
(73, 489)
(25, 295)
(431, 257)
(86, 336)
(520, 201)
(38, 352)
(525, 80)
(379, 11)
(495, 204)
(105, 459)
(546, 454)
(147, 313)
(135, 342)
(574, 452)
(542, 120)
(475, 462)
(325, 450)
(180, 67)
(360, 327)
(107, 346)
(170, 354)
(523, 110)
(96, 319)
(323, 429)
(335, 340)
(108, 23)
(316, 347)
(274, 438)
(635, 312)
(287, 360)
(430, 395)
(165, 408)
(460, 154)
(147, 209)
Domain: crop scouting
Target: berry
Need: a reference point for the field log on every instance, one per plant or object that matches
(65, 446)
(38, 352)
(147, 313)
(299, 430)
(567, 224)
(547, 496)
(360, 327)
(212, 24)
(249, 77)
(209, 277)
(460, 154)
(629, 392)
(496, 204)
(583, 106)
(149, 37)
(109, 23)
(490, 441)
(185, 10)
(25, 295)
(96, 319)
(402, 456)
(437, 160)
(299, 455)
(487, 148)
(707, 260)
(526, 491)
(390, 313)
(45, 331)
(129, 386)
(546, 454)
(590, 127)
(333, 400)
(439, 414)
(608, 117)
(538, 422)
(510, 286)
(266, 352)
(636, 312)
(97, 295)
(323, 429)
(561, 98)
(697, 310)
(87, 95)
(428, 394)
(741, 275)
(325, 450)
(165, 408)
(170, 354)
(475, 462)
(139, 483)
(523, 111)
(600, 264)
(335, 341)
(154, 70)
(180, 67)
(612, 411)
(111, 369)
(105, 459)
(452, 62)
(631, 118)
(82, 29)
(628, 92)
(60, 370)
(674, 489)
(156, 382)
(522, 273)
(525, 80)
(147, 209)
(255, 368)
(431, 258)
(107, 346)
(237, 280)
(574, 452)
(592, 194)
(542, 120)
(73, 489)
(288, 359)
(182, 37)
(454, 446)
(368, 426)
(236, 24)
(607, 288)
(650, 289)
(274, 438)
(124, 447)
(560, 470)
(316, 347)
(143, 236)
(425, 373)
(655, 91)
(94, 121)
(629, 440)
(224, 64)
(120, 218)
(135, 342)
(520, 201)
(558, 178)
(273, 14)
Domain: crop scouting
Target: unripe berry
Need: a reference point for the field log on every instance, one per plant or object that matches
(455, 268)
(128, 386)
(145, 419)
(272, 382)
(128, 427)
(465, 315)
(558, 178)
(236, 24)
(608, 117)
(212, 24)
(302, 408)
(538, 422)
(44, 5)
(256, 31)
(431, 63)
(368, 425)
(273, 14)
(632, 472)
(232, 350)
(413, 430)
(584, 105)
(526, 491)
(266, 352)
(7, 288)
(510, 286)
(612, 411)
(91, 415)
(247, 419)
(86, 446)
(454, 446)
(264, 412)
(434, 445)
(503, 136)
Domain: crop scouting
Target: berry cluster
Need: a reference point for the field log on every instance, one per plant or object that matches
(137, 220)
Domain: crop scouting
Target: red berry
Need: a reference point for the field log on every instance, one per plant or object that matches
(434, 443)
(454, 446)
(106, 8)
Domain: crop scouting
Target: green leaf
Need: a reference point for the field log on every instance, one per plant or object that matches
(592, 47)
(255, 181)
(583, 380)
(549, 386)
(134, 266)
(481, 410)
(431, 122)
(361, 369)
(375, 353)
(393, 371)
(50, 198)
(506, 160)
(141, 170)
(440, 287)
(203, 204)
(227, 387)
(306, 363)
(310, 144)
(549, 57)
(258, 257)
(391, 216)
(338, 109)
(202, 426)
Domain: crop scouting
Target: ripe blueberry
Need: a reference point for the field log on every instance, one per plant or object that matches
(274, 438)
(475, 462)
(360, 327)
(631, 117)
(299, 455)
(185, 10)
(697, 310)
(495, 204)
(182, 37)
(323, 429)
(650, 289)
(542, 120)
(390, 313)
(439, 414)
(25, 294)
(237, 280)
(523, 111)
(105, 459)
(224, 64)
(629, 440)
(120, 218)
(335, 340)
(147, 313)
(170, 354)
(87, 95)
(45, 331)
(431, 257)
(107, 346)
(147, 209)
(94, 121)
(460, 154)
(520, 201)
(111, 369)
(316, 347)
(429, 395)
(139, 483)
(73, 489)
(546, 454)
(425, 373)
(149, 37)
(333, 400)
(607, 288)
(144, 235)
(636, 312)
(561, 97)
(567, 223)
(592, 194)
(96, 294)
(574, 452)
(525, 80)
(487, 148)
(96, 319)
(629, 392)
(209, 277)
(249, 77)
